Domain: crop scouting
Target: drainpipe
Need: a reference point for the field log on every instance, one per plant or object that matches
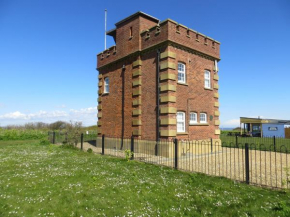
(157, 96)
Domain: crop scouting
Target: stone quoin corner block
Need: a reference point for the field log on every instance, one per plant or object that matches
(168, 121)
(167, 76)
(136, 132)
(136, 102)
(168, 110)
(168, 54)
(167, 87)
(216, 113)
(216, 77)
(136, 112)
(136, 73)
(137, 63)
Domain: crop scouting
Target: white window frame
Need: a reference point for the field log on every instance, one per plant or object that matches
(180, 121)
(106, 85)
(207, 78)
(201, 119)
(181, 72)
(193, 118)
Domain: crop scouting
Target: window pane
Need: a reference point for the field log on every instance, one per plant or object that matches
(206, 83)
(106, 85)
(181, 72)
(203, 118)
(206, 75)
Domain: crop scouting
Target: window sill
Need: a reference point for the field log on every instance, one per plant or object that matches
(182, 133)
(199, 124)
(182, 83)
(104, 94)
(206, 88)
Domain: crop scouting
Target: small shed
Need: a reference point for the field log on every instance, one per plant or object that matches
(258, 127)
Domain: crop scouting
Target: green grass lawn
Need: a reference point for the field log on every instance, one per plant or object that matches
(38, 180)
(282, 145)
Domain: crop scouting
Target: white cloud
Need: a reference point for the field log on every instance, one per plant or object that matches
(86, 115)
(231, 123)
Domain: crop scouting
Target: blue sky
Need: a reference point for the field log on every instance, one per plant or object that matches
(48, 55)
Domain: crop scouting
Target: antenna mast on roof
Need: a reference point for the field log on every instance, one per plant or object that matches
(105, 28)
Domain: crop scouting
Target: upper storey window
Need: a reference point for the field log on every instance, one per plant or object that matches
(207, 79)
(106, 85)
(181, 73)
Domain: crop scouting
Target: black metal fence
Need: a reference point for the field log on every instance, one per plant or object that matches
(64, 137)
(257, 163)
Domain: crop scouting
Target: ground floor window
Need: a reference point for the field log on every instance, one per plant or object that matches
(202, 118)
(180, 116)
(193, 118)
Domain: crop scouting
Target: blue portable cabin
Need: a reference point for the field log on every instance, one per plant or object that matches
(258, 127)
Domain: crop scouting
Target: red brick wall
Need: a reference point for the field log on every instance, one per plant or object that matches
(112, 103)
(193, 97)
(190, 41)
(124, 44)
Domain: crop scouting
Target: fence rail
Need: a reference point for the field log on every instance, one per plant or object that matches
(258, 163)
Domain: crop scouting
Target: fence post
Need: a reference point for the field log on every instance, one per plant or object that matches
(237, 141)
(211, 145)
(132, 147)
(247, 163)
(176, 153)
(82, 141)
(103, 144)
(53, 137)
(274, 138)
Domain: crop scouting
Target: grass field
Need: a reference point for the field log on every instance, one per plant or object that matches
(281, 144)
(21, 134)
(39, 180)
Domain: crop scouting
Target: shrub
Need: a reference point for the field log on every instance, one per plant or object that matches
(90, 150)
(73, 130)
(128, 154)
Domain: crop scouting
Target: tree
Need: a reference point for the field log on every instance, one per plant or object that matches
(58, 125)
(74, 130)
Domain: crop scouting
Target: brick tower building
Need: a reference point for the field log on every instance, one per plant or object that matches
(160, 80)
